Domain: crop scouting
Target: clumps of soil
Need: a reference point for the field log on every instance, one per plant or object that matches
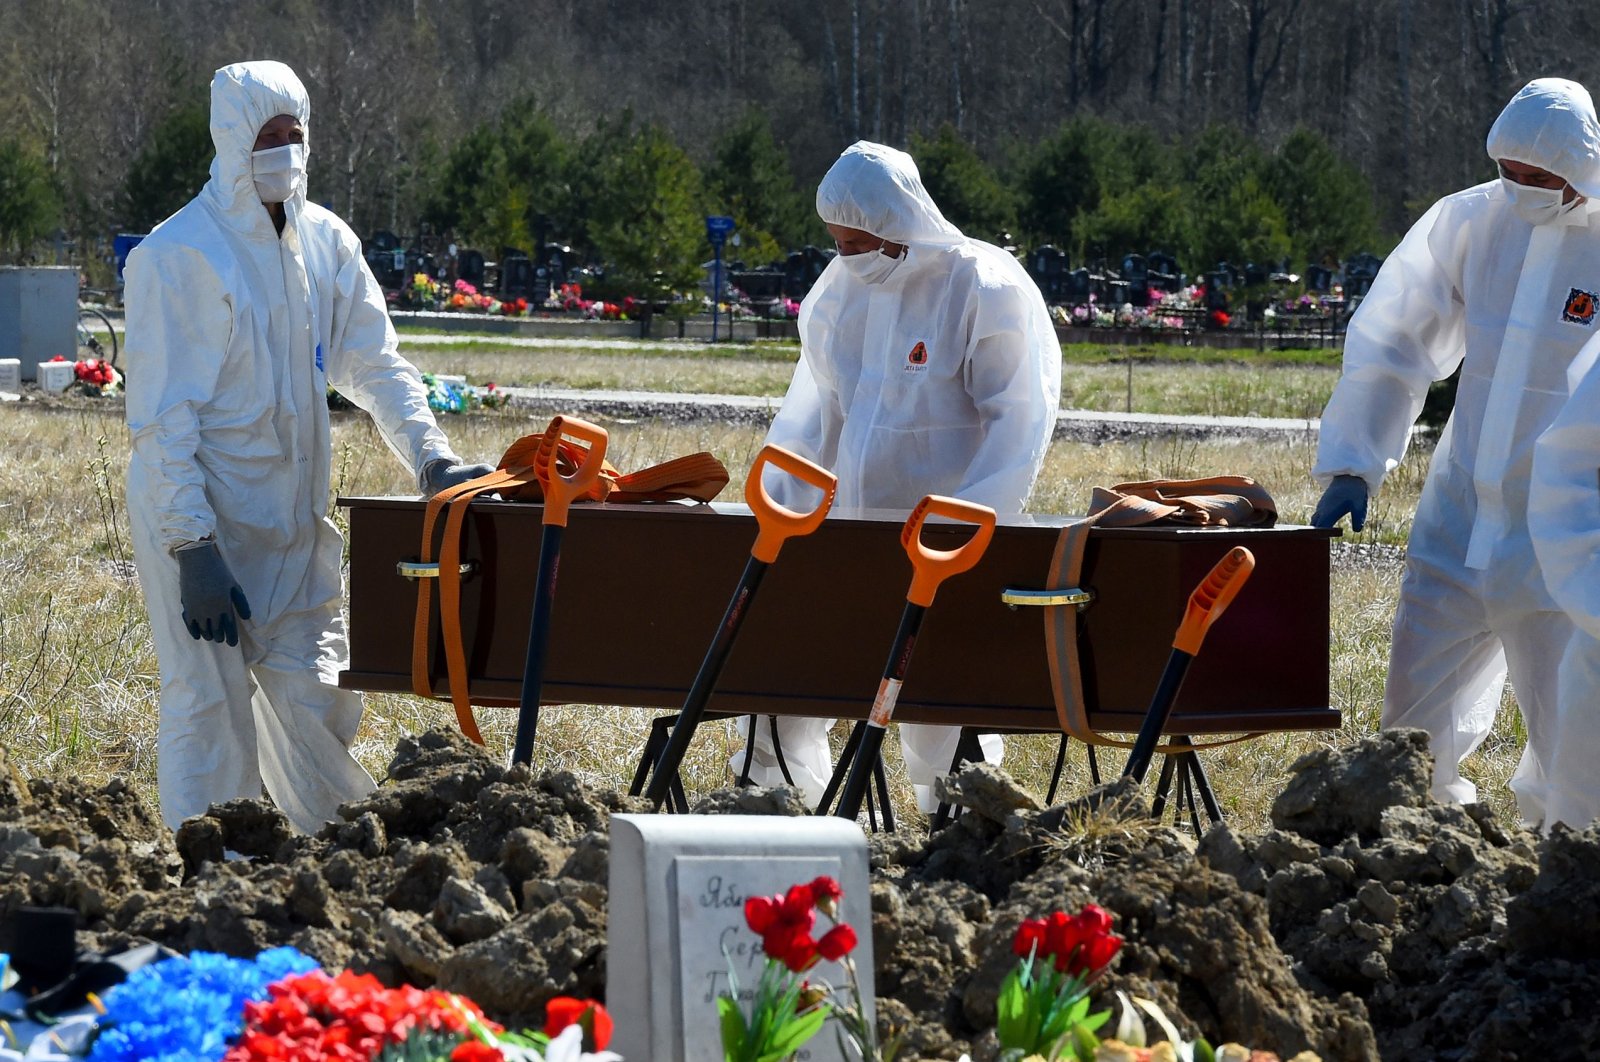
(1369, 921)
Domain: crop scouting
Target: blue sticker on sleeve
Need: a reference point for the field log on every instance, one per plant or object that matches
(319, 358)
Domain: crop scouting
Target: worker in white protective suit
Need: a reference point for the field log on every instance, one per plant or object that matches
(243, 307)
(928, 365)
(1490, 279)
(1566, 539)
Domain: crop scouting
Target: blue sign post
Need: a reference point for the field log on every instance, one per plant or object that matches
(717, 229)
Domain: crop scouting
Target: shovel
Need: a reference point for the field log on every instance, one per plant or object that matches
(775, 525)
(930, 567)
(559, 493)
(1206, 606)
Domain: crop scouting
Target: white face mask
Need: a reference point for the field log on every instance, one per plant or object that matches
(871, 267)
(1535, 205)
(276, 170)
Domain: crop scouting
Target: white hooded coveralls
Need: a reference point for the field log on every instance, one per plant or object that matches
(1566, 538)
(1473, 284)
(234, 335)
(943, 377)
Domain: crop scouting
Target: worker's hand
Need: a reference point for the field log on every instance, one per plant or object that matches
(209, 594)
(442, 472)
(1345, 495)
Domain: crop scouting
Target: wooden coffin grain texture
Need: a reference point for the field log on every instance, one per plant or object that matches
(642, 588)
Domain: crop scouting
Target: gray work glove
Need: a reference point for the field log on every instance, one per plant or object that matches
(1345, 495)
(444, 472)
(209, 594)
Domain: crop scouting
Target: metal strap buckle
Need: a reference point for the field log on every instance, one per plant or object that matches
(1071, 595)
(418, 570)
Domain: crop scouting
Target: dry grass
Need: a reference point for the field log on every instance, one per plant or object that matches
(675, 369)
(1225, 390)
(1243, 388)
(78, 679)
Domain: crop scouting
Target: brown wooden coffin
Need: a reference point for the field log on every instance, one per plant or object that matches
(643, 588)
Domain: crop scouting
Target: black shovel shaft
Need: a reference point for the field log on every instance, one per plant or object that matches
(1155, 719)
(894, 673)
(544, 596)
(705, 681)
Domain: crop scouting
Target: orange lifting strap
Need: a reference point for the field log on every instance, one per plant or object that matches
(1217, 501)
(697, 477)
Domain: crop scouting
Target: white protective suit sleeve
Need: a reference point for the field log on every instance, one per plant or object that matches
(364, 365)
(1016, 387)
(163, 411)
(808, 424)
(1564, 498)
(1409, 331)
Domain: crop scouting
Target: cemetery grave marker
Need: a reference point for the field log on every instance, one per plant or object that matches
(676, 919)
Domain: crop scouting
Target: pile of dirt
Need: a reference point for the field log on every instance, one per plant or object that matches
(1370, 920)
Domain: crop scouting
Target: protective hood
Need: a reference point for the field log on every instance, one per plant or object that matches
(877, 189)
(1551, 124)
(244, 97)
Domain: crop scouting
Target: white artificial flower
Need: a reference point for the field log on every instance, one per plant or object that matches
(568, 1047)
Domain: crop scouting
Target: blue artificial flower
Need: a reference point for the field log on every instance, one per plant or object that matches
(188, 1009)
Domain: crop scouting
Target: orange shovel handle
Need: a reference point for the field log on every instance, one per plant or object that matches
(560, 491)
(930, 567)
(777, 523)
(1212, 597)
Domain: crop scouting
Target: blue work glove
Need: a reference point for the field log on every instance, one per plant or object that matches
(443, 472)
(1345, 495)
(209, 594)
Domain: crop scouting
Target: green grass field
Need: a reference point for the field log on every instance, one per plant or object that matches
(78, 679)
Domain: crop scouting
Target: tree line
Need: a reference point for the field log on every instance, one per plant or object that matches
(1238, 129)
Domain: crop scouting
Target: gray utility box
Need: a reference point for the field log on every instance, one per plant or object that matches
(38, 314)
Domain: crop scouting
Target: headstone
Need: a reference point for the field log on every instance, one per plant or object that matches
(470, 267)
(1359, 273)
(516, 276)
(38, 314)
(1164, 273)
(10, 375)
(1048, 267)
(1217, 285)
(678, 885)
(763, 284)
(1078, 287)
(56, 376)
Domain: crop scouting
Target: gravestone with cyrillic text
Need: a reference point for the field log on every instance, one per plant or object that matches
(676, 936)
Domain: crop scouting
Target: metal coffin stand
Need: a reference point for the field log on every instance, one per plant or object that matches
(644, 587)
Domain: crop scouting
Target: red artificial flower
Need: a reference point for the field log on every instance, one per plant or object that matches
(792, 945)
(761, 913)
(563, 1011)
(349, 1016)
(1097, 951)
(1078, 945)
(825, 888)
(798, 902)
(476, 1051)
(1061, 936)
(837, 942)
(1030, 938)
(1095, 919)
